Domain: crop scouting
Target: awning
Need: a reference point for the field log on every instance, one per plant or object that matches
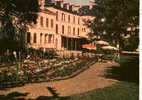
(109, 48)
(88, 46)
(101, 42)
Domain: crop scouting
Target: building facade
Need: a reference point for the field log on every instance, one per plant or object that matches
(59, 26)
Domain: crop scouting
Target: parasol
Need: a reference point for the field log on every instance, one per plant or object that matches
(101, 42)
(109, 48)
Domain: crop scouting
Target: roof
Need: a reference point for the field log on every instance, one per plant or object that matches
(47, 11)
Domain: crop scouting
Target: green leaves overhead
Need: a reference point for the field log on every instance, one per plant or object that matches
(119, 16)
(15, 16)
(24, 10)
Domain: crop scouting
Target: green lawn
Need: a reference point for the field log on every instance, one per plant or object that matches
(128, 87)
(128, 70)
(119, 91)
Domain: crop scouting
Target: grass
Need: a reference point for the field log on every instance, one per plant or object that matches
(119, 91)
(128, 70)
(128, 87)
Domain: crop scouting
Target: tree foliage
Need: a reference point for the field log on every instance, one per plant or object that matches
(15, 16)
(119, 15)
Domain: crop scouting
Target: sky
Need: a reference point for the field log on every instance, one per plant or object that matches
(78, 2)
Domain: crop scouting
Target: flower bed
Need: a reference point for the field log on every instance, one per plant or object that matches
(46, 70)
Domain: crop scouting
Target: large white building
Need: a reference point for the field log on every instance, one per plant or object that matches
(59, 26)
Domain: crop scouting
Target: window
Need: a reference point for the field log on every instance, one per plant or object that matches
(57, 15)
(52, 23)
(62, 29)
(53, 38)
(78, 31)
(84, 29)
(28, 37)
(41, 38)
(69, 18)
(56, 28)
(41, 21)
(45, 38)
(47, 23)
(74, 19)
(69, 29)
(78, 20)
(62, 16)
(74, 31)
(34, 41)
(49, 38)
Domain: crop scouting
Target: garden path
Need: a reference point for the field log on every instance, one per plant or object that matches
(86, 81)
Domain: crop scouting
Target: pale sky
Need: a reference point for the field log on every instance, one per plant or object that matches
(78, 2)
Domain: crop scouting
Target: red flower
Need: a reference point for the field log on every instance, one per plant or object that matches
(32, 67)
(38, 58)
(30, 58)
(34, 58)
(99, 55)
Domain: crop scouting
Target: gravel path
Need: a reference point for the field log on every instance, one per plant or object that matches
(86, 81)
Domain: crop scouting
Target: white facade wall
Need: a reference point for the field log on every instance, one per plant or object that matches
(44, 40)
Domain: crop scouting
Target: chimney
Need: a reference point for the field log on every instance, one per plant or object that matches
(61, 4)
(41, 3)
(73, 7)
(54, 2)
(76, 8)
(70, 7)
(66, 6)
(91, 3)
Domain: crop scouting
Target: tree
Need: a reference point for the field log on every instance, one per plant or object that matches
(119, 15)
(15, 16)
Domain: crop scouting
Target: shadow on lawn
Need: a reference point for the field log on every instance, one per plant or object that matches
(13, 96)
(22, 96)
(128, 69)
